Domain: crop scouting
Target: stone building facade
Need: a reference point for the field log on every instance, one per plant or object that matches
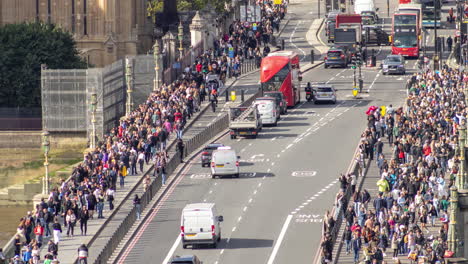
(105, 30)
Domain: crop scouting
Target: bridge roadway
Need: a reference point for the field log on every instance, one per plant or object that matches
(273, 212)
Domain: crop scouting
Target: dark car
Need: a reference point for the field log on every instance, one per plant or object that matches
(374, 35)
(280, 100)
(336, 57)
(207, 151)
(188, 259)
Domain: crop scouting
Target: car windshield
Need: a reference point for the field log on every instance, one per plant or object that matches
(393, 59)
(324, 89)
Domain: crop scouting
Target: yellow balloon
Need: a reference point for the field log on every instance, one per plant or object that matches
(383, 110)
(355, 92)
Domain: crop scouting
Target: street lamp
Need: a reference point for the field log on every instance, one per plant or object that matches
(128, 76)
(436, 57)
(156, 64)
(45, 148)
(93, 107)
(181, 38)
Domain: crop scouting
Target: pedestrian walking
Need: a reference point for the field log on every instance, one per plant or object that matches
(52, 248)
(83, 254)
(110, 198)
(137, 204)
(71, 221)
(356, 245)
(141, 160)
(28, 227)
(2, 256)
(100, 204)
(17, 245)
(39, 232)
(449, 43)
(180, 149)
(84, 217)
(122, 174)
(36, 254)
(56, 230)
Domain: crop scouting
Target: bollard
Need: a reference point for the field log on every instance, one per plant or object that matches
(282, 44)
(312, 56)
(242, 95)
(227, 95)
(374, 60)
(233, 96)
(361, 85)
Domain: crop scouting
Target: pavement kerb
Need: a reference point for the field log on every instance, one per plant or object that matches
(315, 41)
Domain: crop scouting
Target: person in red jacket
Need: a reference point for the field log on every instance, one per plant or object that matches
(39, 232)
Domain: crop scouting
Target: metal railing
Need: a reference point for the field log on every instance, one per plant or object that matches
(190, 146)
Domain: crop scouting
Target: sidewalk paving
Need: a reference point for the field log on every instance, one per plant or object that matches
(370, 184)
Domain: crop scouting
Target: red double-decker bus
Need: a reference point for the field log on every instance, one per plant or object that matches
(406, 34)
(279, 71)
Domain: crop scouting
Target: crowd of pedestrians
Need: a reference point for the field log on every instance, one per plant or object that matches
(140, 138)
(414, 178)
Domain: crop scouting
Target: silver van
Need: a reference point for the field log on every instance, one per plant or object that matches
(269, 111)
(224, 161)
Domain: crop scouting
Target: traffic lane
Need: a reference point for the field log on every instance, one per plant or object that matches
(292, 186)
(166, 225)
(233, 196)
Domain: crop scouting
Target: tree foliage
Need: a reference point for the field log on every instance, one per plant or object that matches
(156, 6)
(23, 48)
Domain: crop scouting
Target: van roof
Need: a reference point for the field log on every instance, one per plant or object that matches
(199, 207)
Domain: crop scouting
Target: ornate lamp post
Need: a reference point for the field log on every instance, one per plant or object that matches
(45, 148)
(461, 146)
(93, 107)
(452, 232)
(156, 64)
(181, 38)
(129, 79)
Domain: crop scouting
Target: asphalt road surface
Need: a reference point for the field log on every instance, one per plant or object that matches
(273, 212)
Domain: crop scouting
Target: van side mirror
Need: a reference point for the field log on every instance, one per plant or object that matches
(220, 218)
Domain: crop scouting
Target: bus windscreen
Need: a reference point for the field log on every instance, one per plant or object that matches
(274, 84)
(405, 20)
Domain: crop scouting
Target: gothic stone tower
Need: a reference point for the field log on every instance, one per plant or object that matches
(105, 30)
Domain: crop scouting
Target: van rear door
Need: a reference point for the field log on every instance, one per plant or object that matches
(198, 225)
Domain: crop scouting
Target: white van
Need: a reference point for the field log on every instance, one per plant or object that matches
(364, 5)
(199, 224)
(224, 161)
(268, 110)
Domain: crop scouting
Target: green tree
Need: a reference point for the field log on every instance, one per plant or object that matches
(156, 6)
(23, 48)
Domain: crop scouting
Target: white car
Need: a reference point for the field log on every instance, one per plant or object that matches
(324, 93)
